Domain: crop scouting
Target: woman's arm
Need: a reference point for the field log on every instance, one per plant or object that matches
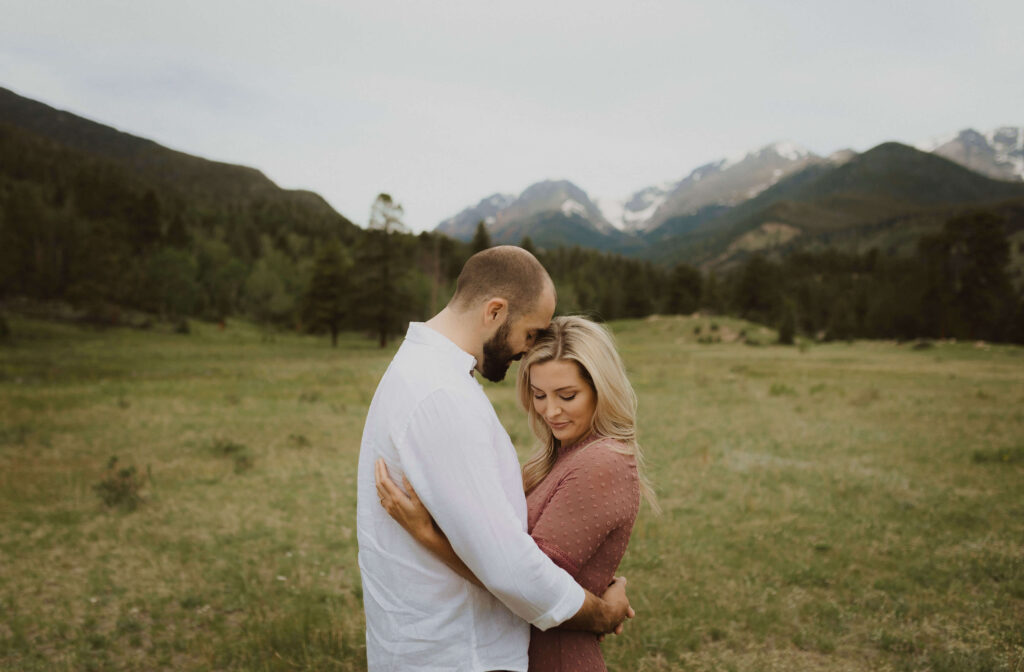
(409, 512)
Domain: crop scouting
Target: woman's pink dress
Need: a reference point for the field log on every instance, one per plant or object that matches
(581, 516)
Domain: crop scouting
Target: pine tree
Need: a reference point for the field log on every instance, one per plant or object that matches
(383, 295)
(684, 290)
(326, 303)
(787, 326)
(481, 239)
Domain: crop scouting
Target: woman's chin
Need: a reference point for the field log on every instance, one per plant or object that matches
(567, 435)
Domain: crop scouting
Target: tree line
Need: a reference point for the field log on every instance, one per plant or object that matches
(80, 230)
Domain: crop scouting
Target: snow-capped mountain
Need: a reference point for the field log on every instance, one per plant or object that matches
(463, 225)
(998, 154)
(559, 197)
(631, 213)
(555, 196)
(731, 181)
(726, 182)
(557, 212)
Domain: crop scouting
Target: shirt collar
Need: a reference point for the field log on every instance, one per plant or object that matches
(420, 333)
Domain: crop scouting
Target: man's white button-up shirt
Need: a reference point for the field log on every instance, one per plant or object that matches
(431, 421)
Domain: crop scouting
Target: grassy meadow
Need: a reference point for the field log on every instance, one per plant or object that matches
(828, 507)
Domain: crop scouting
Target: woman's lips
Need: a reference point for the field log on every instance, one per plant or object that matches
(558, 425)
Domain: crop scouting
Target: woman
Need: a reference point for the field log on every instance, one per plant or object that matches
(583, 485)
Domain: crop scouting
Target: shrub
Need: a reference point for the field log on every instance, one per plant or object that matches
(120, 488)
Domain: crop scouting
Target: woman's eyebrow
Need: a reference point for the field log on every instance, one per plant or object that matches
(560, 389)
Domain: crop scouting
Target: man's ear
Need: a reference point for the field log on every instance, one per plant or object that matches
(495, 311)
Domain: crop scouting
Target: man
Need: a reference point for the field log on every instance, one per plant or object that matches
(431, 422)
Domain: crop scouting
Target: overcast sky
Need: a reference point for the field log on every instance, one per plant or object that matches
(443, 103)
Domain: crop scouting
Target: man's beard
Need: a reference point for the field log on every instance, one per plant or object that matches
(498, 355)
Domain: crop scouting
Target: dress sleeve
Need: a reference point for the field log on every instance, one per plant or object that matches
(597, 496)
(448, 455)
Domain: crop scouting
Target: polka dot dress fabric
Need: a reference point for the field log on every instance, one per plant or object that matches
(581, 516)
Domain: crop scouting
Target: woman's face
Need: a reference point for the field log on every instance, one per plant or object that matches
(563, 399)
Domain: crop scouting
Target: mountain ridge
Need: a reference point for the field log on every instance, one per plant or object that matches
(658, 222)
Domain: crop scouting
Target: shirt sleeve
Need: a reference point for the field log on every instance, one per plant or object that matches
(448, 455)
(599, 495)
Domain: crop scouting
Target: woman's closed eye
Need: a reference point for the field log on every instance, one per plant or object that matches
(563, 397)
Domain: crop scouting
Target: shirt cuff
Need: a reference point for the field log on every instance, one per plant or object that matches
(564, 610)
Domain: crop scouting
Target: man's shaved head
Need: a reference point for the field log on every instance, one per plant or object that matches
(506, 272)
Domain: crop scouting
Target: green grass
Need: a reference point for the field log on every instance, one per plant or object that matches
(832, 507)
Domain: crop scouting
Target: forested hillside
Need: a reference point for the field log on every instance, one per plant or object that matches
(100, 226)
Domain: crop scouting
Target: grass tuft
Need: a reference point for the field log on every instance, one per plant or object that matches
(121, 488)
(1014, 455)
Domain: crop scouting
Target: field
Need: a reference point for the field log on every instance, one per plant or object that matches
(829, 507)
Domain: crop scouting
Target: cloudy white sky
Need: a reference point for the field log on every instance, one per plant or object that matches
(441, 103)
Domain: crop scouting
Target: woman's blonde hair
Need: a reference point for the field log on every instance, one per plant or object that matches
(592, 347)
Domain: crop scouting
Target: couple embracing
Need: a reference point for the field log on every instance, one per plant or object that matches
(474, 563)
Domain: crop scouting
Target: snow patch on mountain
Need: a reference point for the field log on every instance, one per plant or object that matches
(573, 207)
(612, 210)
(997, 153)
(789, 150)
(630, 213)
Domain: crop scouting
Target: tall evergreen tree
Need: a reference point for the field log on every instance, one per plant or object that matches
(383, 294)
(481, 239)
(979, 254)
(326, 304)
(684, 290)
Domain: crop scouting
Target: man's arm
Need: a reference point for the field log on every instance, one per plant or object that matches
(600, 615)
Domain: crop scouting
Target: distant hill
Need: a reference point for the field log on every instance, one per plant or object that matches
(106, 221)
(216, 185)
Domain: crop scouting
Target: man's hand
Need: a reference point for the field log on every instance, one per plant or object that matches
(603, 615)
(615, 597)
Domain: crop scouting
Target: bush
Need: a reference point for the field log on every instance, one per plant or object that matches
(120, 488)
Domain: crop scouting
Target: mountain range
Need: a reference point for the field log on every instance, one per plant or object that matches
(778, 197)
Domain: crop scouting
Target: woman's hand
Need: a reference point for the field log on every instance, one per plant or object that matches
(407, 509)
(409, 512)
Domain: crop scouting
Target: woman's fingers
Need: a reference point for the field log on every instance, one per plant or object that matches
(409, 490)
(391, 496)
